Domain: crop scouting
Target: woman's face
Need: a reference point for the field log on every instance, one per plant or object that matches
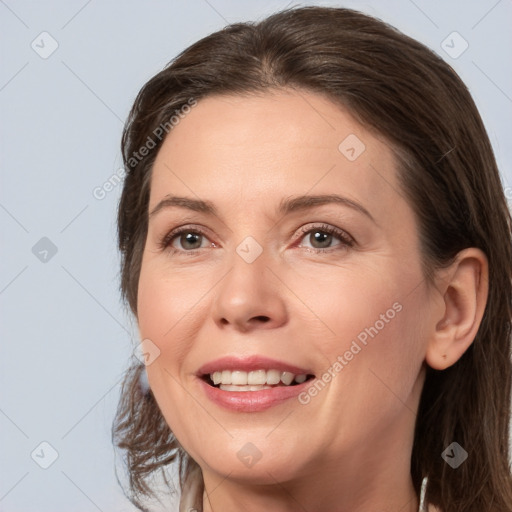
(304, 259)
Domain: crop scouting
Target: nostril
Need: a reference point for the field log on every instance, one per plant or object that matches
(262, 318)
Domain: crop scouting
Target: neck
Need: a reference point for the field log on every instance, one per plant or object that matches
(290, 499)
(307, 496)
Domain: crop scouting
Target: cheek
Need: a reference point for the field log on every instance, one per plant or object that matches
(162, 308)
(372, 325)
(169, 307)
(382, 359)
(349, 305)
(165, 307)
(172, 308)
(376, 384)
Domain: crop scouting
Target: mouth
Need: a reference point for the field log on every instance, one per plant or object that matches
(254, 380)
(252, 383)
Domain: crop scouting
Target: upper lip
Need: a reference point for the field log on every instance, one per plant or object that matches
(249, 363)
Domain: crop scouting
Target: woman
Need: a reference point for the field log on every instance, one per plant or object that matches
(337, 335)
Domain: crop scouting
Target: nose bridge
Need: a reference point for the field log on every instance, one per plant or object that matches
(250, 295)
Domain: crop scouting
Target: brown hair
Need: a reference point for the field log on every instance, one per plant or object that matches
(406, 94)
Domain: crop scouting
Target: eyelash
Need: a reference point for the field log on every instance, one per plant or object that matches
(346, 240)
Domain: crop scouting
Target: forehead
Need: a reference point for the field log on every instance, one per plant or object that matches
(246, 149)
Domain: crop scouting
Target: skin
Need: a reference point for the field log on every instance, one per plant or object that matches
(349, 448)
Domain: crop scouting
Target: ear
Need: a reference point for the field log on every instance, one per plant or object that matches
(464, 288)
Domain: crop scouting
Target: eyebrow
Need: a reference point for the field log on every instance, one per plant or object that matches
(286, 206)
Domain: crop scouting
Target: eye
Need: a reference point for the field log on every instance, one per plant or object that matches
(322, 237)
(185, 239)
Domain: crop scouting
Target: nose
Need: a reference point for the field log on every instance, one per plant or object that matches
(249, 297)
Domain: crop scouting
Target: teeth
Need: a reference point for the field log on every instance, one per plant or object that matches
(257, 377)
(273, 377)
(239, 378)
(260, 379)
(287, 378)
(230, 387)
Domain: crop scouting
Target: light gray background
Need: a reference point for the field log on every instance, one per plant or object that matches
(66, 338)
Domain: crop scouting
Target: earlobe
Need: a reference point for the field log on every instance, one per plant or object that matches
(464, 296)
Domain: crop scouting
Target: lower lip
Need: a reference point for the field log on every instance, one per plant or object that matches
(252, 401)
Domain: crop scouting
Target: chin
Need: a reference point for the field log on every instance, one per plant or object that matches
(256, 462)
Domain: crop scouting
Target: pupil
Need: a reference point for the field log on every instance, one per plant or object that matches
(191, 238)
(322, 238)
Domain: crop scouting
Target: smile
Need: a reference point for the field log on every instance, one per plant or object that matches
(253, 383)
(255, 380)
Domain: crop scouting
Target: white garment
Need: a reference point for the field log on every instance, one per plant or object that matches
(423, 505)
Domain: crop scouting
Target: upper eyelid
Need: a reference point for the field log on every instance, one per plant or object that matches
(326, 227)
